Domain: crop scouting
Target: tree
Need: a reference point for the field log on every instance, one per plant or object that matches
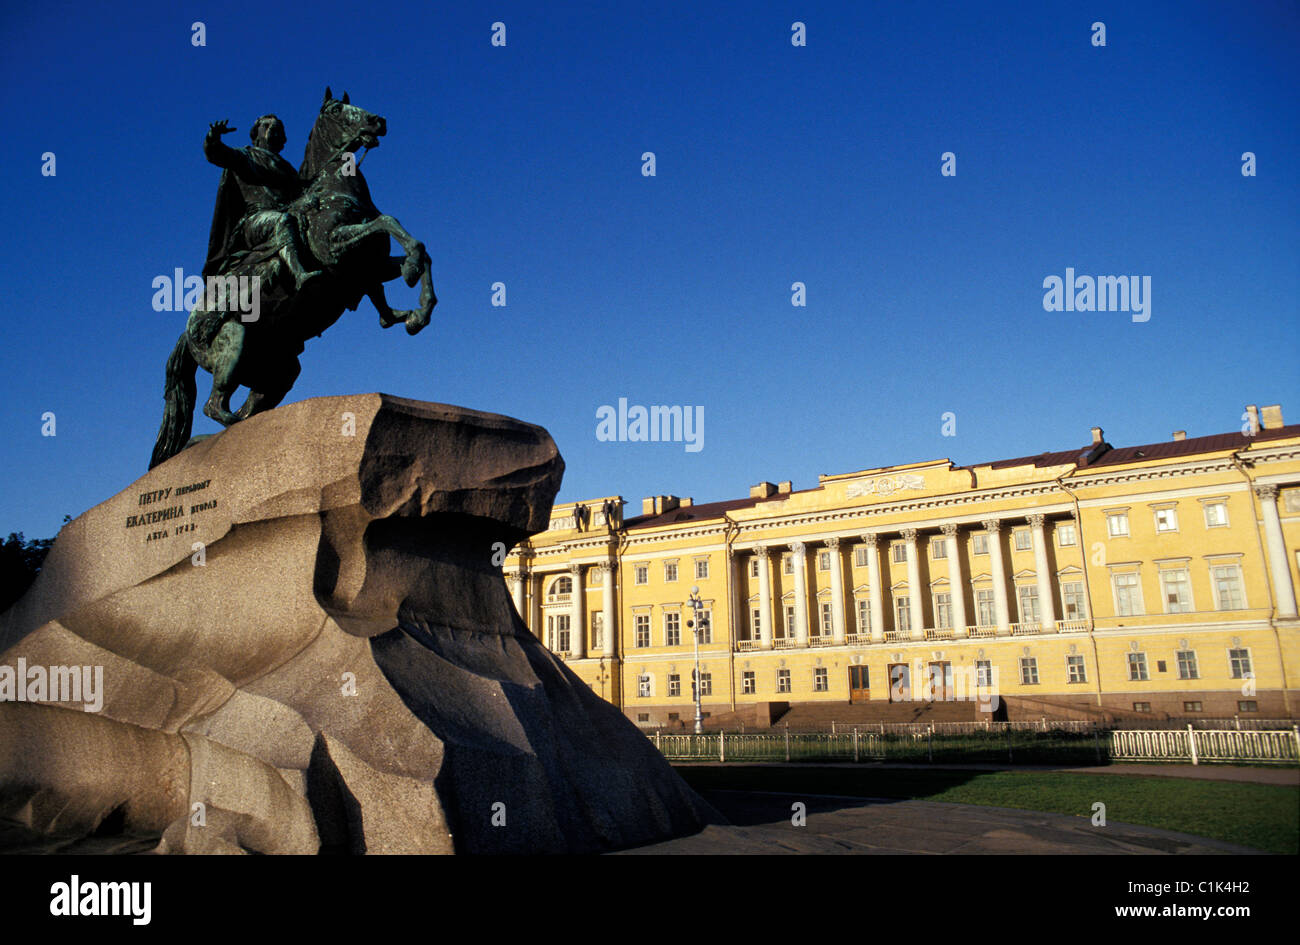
(20, 562)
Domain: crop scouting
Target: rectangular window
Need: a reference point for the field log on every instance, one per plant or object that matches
(789, 620)
(1066, 535)
(1028, 671)
(670, 570)
(821, 681)
(1239, 664)
(1075, 671)
(706, 684)
(903, 613)
(864, 616)
(1117, 524)
(943, 611)
(938, 547)
(755, 623)
(983, 673)
(1142, 707)
(1137, 667)
(787, 563)
(1072, 600)
(823, 561)
(1128, 595)
(980, 543)
(672, 629)
(1216, 514)
(753, 567)
(642, 630)
(985, 611)
(643, 688)
(860, 556)
(562, 634)
(674, 684)
(701, 568)
(1187, 664)
(899, 553)
(1227, 587)
(783, 680)
(1247, 705)
(706, 626)
(642, 572)
(1191, 707)
(1023, 539)
(1027, 595)
(748, 685)
(827, 624)
(1166, 520)
(1176, 588)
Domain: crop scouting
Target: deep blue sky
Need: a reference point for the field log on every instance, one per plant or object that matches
(775, 164)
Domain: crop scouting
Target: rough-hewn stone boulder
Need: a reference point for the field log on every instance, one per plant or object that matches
(305, 646)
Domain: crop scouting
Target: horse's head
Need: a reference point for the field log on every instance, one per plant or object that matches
(340, 127)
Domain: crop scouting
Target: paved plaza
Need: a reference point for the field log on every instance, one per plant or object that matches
(844, 825)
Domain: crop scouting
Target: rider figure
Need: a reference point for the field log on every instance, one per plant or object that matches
(251, 214)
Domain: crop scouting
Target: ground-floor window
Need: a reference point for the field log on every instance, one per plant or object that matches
(821, 682)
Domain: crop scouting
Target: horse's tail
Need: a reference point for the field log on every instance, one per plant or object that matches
(178, 415)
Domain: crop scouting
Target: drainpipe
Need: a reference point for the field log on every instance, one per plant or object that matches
(616, 665)
(1087, 582)
(729, 535)
(1268, 579)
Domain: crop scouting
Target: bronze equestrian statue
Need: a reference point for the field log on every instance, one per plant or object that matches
(310, 243)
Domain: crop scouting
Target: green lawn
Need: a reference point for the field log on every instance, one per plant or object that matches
(1262, 816)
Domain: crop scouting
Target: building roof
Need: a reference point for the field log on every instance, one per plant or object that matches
(1113, 456)
(1166, 449)
(696, 513)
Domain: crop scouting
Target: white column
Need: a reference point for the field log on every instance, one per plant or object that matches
(994, 526)
(800, 594)
(577, 632)
(1279, 567)
(915, 602)
(874, 589)
(764, 598)
(837, 591)
(956, 583)
(608, 611)
(516, 579)
(1043, 574)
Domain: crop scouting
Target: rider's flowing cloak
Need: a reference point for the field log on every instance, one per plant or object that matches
(226, 239)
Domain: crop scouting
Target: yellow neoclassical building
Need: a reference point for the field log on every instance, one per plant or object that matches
(1092, 582)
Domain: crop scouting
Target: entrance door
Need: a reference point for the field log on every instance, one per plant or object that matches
(900, 683)
(941, 682)
(859, 685)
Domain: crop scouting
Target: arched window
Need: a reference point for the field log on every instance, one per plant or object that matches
(561, 587)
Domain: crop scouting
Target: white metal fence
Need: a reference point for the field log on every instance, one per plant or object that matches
(1200, 746)
(1014, 742)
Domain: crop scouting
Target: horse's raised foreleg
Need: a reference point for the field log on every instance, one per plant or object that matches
(380, 301)
(417, 260)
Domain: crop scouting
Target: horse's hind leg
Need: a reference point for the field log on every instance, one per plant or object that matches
(259, 401)
(223, 357)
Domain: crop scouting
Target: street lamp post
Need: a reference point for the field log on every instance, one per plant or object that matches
(697, 605)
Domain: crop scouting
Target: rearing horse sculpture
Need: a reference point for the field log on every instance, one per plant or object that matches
(346, 238)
